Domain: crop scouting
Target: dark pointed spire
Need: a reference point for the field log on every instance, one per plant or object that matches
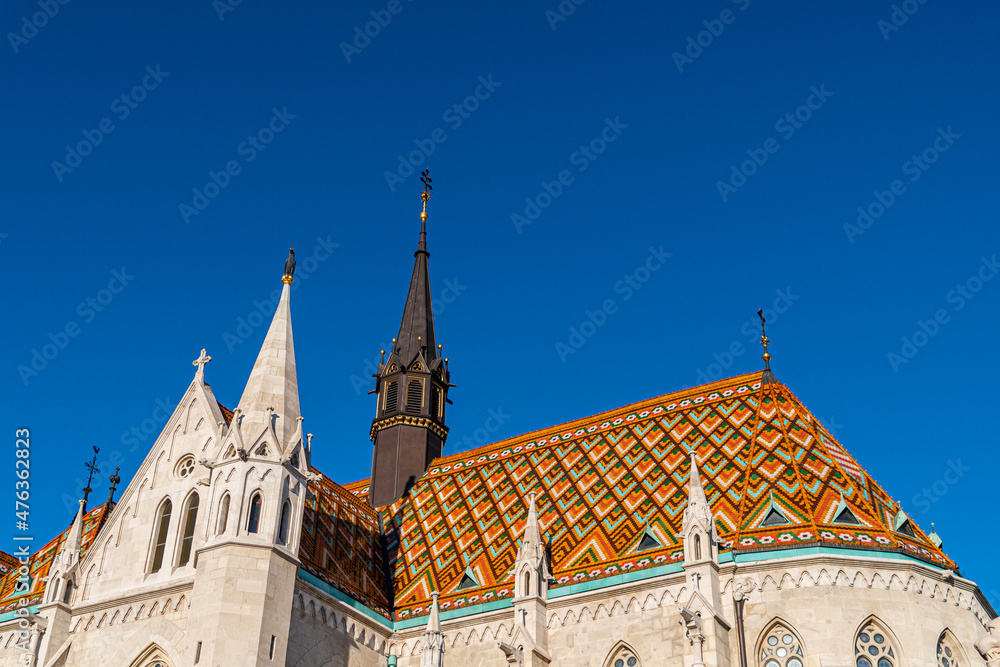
(412, 386)
(416, 330)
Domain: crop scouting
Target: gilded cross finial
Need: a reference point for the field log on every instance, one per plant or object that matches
(764, 341)
(425, 178)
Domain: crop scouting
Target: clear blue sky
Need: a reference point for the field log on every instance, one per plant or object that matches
(660, 177)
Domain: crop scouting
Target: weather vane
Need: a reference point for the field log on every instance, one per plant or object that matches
(91, 465)
(764, 341)
(425, 178)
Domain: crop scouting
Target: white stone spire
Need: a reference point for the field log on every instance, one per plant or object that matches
(69, 554)
(698, 510)
(532, 538)
(273, 382)
(432, 645)
(701, 538)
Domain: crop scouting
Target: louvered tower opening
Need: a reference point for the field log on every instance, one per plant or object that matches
(414, 395)
(436, 403)
(391, 397)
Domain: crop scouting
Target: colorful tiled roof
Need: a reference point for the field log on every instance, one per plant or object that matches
(341, 544)
(604, 480)
(12, 595)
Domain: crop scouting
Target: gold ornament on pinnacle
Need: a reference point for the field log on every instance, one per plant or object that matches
(763, 340)
(425, 178)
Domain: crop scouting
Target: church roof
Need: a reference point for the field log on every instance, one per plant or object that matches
(341, 544)
(774, 476)
(11, 595)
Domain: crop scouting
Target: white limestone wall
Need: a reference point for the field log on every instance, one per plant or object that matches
(824, 600)
(118, 634)
(327, 633)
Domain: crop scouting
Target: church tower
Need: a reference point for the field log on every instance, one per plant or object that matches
(412, 386)
(246, 568)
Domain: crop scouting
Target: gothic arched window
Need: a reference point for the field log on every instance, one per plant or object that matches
(286, 511)
(949, 653)
(253, 518)
(161, 536)
(780, 647)
(189, 522)
(223, 515)
(873, 646)
(622, 655)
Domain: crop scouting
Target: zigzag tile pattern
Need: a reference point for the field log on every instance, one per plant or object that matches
(17, 591)
(341, 544)
(602, 481)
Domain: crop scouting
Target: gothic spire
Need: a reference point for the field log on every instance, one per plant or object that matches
(412, 385)
(532, 535)
(698, 508)
(273, 387)
(416, 330)
(433, 645)
(70, 551)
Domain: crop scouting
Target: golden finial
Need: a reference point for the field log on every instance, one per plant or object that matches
(764, 341)
(425, 178)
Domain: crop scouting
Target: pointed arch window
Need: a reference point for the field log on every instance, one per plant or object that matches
(286, 513)
(160, 545)
(949, 653)
(780, 647)
(223, 515)
(253, 517)
(697, 546)
(873, 647)
(190, 520)
(622, 655)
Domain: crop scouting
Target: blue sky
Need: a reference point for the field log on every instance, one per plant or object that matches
(739, 138)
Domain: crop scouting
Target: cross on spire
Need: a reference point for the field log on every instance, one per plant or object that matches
(425, 178)
(91, 465)
(200, 363)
